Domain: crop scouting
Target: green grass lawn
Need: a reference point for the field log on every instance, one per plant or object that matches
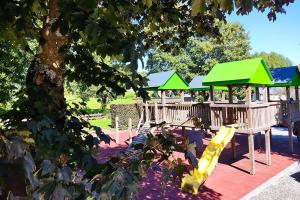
(93, 106)
(104, 123)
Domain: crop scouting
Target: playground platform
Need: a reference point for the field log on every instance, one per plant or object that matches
(230, 180)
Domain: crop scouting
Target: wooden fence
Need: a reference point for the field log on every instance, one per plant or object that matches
(249, 118)
(176, 114)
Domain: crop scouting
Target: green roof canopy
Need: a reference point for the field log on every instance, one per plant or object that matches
(250, 71)
(170, 80)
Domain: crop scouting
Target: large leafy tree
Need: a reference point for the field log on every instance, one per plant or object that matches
(14, 62)
(201, 53)
(72, 35)
(274, 59)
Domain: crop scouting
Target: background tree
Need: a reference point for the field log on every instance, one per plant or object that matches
(274, 59)
(202, 53)
(14, 62)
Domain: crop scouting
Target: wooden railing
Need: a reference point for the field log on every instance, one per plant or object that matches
(175, 114)
(249, 118)
(287, 107)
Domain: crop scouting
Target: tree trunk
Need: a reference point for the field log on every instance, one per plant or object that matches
(45, 77)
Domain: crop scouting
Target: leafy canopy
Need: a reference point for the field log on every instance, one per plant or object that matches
(201, 53)
(274, 59)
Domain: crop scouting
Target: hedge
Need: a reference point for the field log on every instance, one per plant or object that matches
(124, 112)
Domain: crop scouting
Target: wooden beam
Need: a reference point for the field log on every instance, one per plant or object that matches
(268, 147)
(251, 153)
(257, 93)
(248, 94)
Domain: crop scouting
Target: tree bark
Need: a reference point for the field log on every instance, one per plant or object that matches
(45, 77)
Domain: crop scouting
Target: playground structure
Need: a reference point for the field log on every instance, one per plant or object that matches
(253, 115)
(287, 77)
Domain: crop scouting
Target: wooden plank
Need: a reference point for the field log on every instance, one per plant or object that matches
(251, 154)
(268, 147)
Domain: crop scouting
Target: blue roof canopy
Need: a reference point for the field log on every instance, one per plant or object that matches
(158, 79)
(285, 76)
(196, 84)
(170, 80)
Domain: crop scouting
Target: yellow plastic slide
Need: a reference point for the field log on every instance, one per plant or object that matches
(208, 160)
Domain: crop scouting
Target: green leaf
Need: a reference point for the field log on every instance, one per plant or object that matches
(198, 6)
(148, 3)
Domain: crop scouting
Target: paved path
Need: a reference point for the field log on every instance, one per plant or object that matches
(286, 187)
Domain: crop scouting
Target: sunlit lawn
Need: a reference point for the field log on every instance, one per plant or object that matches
(93, 106)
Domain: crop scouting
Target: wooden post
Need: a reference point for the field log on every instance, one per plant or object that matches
(248, 94)
(265, 94)
(117, 130)
(230, 94)
(268, 94)
(290, 127)
(192, 96)
(211, 93)
(251, 153)
(130, 129)
(156, 113)
(182, 95)
(163, 97)
(223, 95)
(297, 93)
(230, 100)
(147, 113)
(204, 97)
(257, 93)
(268, 147)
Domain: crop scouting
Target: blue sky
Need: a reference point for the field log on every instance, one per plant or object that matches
(281, 36)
